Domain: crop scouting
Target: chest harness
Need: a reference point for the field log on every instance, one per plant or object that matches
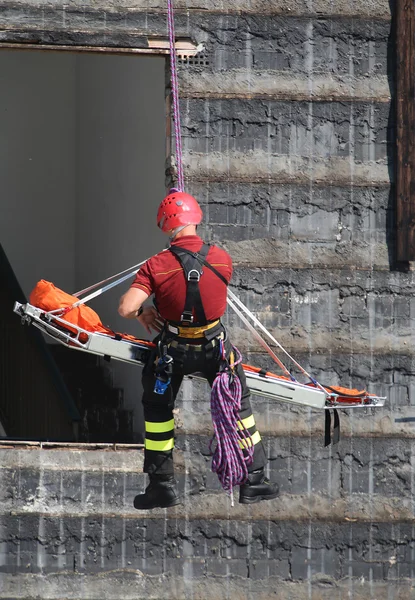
(192, 264)
(183, 335)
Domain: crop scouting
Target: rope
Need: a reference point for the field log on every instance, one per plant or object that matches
(229, 462)
(263, 343)
(271, 337)
(175, 95)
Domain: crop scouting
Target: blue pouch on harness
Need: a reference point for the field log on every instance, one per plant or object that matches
(163, 373)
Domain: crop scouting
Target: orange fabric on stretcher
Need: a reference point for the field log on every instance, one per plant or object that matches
(48, 297)
(344, 394)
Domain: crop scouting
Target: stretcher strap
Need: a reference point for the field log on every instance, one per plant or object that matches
(336, 427)
(121, 277)
(260, 339)
(131, 270)
(273, 340)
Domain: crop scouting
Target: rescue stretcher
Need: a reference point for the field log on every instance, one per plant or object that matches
(132, 350)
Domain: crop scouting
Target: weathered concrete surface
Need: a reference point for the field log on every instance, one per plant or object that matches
(280, 85)
(349, 311)
(67, 529)
(183, 583)
(377, 9)
(336, 49)
(292, 226)
(359, 480)
(285, 141)
(258, 165)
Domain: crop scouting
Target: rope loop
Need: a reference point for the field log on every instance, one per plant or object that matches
(229, 461)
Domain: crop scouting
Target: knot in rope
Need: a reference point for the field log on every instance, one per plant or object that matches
(229, 460)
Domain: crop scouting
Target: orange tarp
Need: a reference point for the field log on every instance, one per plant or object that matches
(48, 297)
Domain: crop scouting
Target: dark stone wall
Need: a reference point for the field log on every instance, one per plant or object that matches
(342, 527)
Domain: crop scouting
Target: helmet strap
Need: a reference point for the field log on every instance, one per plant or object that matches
(176, 231)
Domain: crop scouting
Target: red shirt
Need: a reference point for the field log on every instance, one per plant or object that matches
(163, 276)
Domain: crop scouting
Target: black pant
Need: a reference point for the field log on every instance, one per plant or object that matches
(158, 409)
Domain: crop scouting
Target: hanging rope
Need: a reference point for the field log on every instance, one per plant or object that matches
(229, 462)
(175, 96)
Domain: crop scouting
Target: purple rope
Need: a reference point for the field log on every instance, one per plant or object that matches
(228, 460)
(175, 95)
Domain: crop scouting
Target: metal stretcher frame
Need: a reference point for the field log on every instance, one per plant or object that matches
(136, 352)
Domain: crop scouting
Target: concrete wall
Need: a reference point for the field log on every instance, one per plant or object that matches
(37, 166)
(82, 168)
(289, 136)
(120, 169)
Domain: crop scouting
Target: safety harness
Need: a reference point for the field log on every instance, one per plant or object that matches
(181, 335)
(192, 264)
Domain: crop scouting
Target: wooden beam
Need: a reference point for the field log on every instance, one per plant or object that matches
(405, 172)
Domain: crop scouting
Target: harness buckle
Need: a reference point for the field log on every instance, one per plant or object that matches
(191, 277)
(186, 317)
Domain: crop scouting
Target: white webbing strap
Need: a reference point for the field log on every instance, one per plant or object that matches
(132, 271)
(121, 278)
(63, 311)
(259, 338)
(103, 289)
(253, 318)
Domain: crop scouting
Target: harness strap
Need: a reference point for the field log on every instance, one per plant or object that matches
(205, 262)
(194, 332)
(192, 266)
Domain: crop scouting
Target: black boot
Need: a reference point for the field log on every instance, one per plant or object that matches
(257, 488)
(160, 493)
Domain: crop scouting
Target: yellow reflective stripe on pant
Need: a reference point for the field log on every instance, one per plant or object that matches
(247, 442)
(159, 435)
(159, 445)
(152, 427)
(247, 423)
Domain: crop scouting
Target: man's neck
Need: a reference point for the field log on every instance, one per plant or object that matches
(188, 230)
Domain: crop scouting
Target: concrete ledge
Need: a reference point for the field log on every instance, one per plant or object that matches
(306, 254)
(378, 9)
(360, 480)
(72, 459)
(256, 166)
(299, 508)
(165, 559)
(277, 85)
(132, 584)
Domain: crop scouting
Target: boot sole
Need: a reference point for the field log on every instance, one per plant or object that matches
(255, 499)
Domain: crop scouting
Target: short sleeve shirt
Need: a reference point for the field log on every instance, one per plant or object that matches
(163, 276)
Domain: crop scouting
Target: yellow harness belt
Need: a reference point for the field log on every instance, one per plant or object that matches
(191, 332)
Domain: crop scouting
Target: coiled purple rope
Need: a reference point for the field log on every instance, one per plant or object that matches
(175, 96)
(228, 460)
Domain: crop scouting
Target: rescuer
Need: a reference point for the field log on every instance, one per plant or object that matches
(189, 282)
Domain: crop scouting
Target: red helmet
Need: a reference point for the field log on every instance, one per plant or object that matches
(178, 208)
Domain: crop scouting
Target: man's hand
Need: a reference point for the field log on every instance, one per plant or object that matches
(150, 319)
